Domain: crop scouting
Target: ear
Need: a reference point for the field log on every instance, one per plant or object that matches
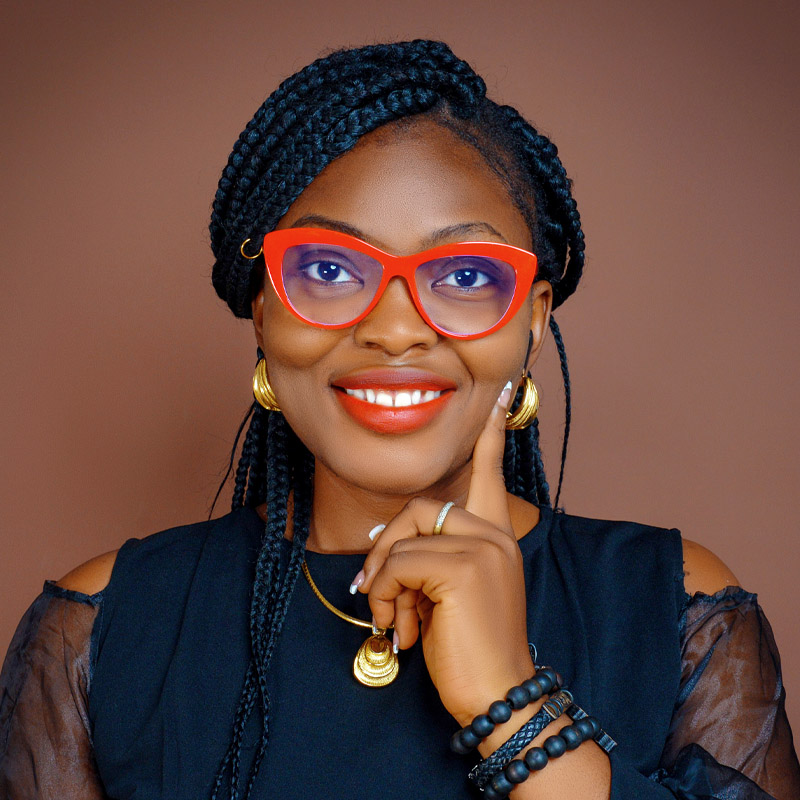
(542, 305)
(257, 307)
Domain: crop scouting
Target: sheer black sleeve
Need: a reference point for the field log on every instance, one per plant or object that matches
(45, 738)
(729, 736)
(729, 739)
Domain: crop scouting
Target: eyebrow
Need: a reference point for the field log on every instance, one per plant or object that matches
(443, 234)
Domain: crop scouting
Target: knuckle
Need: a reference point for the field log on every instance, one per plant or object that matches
(400, 546)
(394, 559)
(471, 570)
(497, 434)
(508, 545)
(497, 469)
(494, 469)
(406, 601)
(497, 552)
(378, 604)
(415, 505)
(494, 552)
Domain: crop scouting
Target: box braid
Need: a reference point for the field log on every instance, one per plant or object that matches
(562, 357)
(314, 117)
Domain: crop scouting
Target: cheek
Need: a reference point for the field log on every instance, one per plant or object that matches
(494, 358)
(291, 345)
(296, 354)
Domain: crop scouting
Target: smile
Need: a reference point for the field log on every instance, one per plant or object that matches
(394, 399)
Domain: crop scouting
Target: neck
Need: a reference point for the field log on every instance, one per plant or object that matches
(344, 514)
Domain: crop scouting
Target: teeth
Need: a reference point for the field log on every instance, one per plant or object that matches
(388, 399)
(402, 399)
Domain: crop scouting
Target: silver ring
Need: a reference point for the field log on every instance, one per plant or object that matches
(437, 528)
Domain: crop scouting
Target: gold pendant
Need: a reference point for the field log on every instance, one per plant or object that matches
(376, 663)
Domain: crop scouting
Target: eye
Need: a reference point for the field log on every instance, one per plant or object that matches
(328, 272)
(464, 274)
(465, 278)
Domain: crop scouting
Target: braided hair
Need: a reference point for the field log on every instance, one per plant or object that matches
(312, 118)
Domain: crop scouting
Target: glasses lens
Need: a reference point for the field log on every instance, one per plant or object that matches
(329, 284)
(465, 294)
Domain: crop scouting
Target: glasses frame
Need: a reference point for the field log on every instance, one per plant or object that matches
(277, 242)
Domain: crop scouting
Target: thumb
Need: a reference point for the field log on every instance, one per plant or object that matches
(487, 487)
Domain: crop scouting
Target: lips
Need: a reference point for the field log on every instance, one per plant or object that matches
(393, 401)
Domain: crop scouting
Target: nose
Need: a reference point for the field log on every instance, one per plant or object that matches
(395, 324)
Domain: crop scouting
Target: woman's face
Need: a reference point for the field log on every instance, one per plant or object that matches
(402, 190)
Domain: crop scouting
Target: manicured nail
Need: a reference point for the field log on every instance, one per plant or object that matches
(395, 642)
(375, 531)
(505, 395)
(357, 581)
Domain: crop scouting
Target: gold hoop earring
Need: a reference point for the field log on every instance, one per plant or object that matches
(528, 407)
(244, 255)
(262, 391)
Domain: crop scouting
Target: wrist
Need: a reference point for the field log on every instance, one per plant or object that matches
(519, 735)
(502, 733)
(538, 696)
(494, 686)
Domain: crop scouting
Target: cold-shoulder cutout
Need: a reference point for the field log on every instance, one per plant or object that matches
(92, 576)
(703, 571)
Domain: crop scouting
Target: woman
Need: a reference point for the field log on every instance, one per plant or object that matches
(400, 242)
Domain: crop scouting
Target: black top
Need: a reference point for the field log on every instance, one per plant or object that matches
(606, 607)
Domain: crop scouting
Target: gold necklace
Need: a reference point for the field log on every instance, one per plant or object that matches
(376, 662)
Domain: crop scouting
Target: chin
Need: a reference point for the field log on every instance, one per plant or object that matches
(403, 474)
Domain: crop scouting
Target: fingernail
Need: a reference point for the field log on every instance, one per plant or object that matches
(375, 531)
(357, 581)
(505, 395)
(395, 642)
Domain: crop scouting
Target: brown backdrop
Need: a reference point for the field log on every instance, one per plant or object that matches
(123, 377)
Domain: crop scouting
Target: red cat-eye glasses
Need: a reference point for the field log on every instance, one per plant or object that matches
(464, 290)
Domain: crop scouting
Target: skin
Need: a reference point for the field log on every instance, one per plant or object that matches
(463, 591)
(399, 195)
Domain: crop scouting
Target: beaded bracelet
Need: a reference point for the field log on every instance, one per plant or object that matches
(551, 710)
(544, 681)
(537, 758)
(604, 741)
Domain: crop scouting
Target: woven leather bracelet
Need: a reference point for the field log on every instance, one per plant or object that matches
(551, 710)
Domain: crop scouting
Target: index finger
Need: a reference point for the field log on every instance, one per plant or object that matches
(487, 487)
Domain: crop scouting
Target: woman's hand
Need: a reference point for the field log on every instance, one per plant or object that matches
(466, 586)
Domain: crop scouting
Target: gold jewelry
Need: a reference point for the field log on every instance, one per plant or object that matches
(528, 407)
(437, 528)
(262, 391)
(376, 662)
(244, 255)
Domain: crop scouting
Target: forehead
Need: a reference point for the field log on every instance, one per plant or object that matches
(402, 183)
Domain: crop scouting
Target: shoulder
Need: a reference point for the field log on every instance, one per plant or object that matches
(703, 571)
(171, 555)
(614, 546)
(92, 576)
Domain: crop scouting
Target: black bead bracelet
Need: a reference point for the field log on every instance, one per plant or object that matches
(544, 681)
(501, 771)
(603, 740)
(491, 766)
(518, 770)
